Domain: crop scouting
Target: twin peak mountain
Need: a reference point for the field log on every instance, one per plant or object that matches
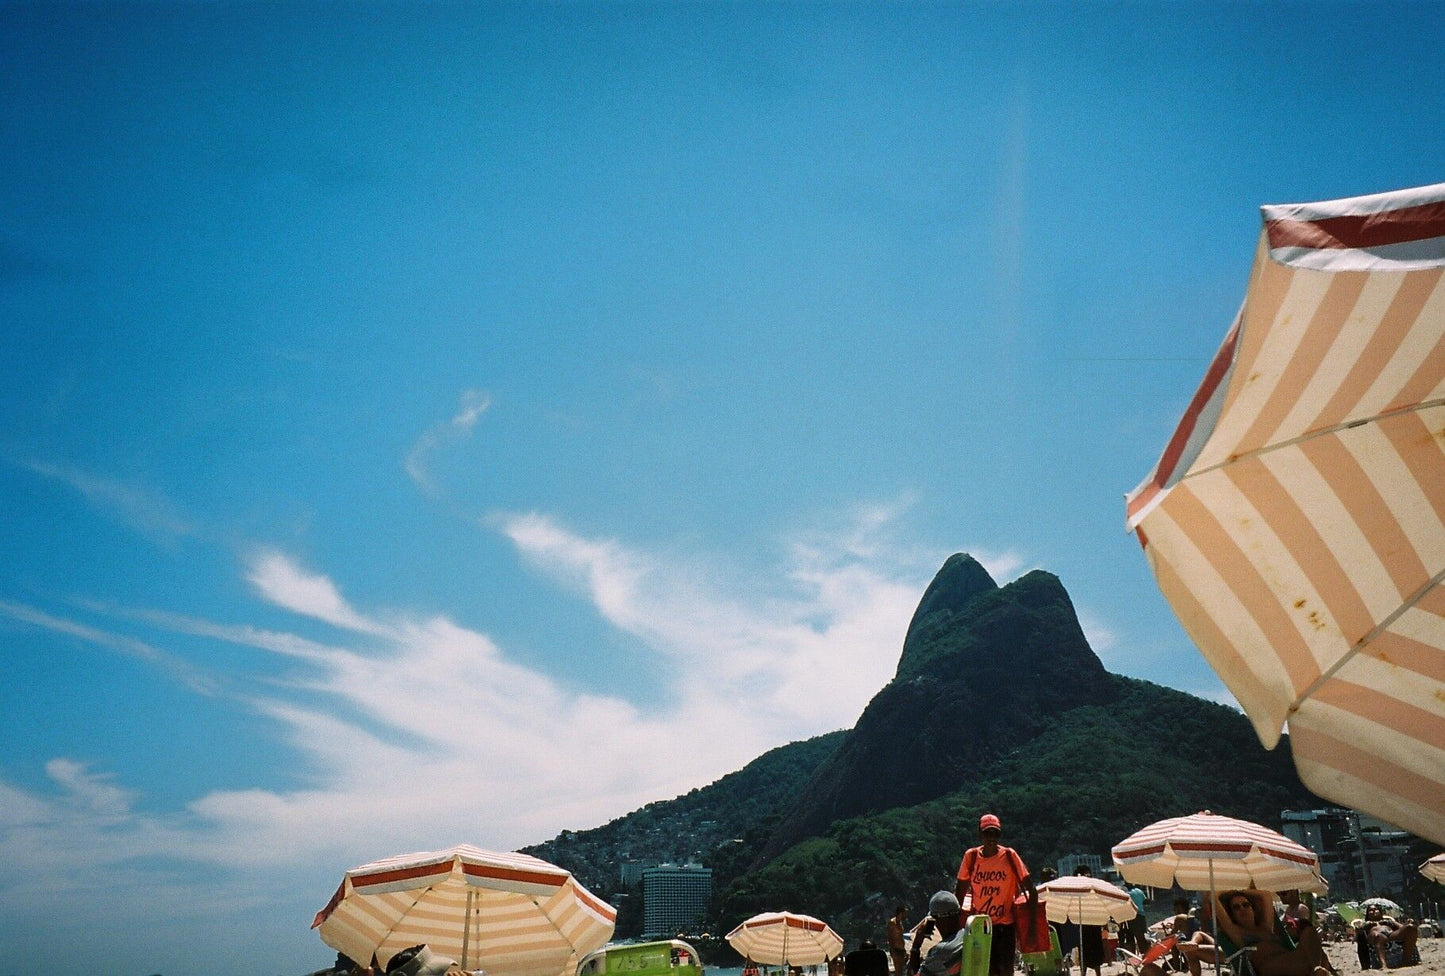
(998, 704)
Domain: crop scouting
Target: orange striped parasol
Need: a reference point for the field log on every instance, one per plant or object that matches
(786, 939)
(510, 914)
(1296, 521)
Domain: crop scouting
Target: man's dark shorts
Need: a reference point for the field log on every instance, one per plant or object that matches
(1001, 956)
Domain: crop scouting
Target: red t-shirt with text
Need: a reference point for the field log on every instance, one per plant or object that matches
(993, 881)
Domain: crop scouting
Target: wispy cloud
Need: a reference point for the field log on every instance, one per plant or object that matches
(414, 731)
(472, 404)
(809, 653)
(176, 667)
(144, 510)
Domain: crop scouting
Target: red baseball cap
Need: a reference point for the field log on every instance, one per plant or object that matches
(989, 822)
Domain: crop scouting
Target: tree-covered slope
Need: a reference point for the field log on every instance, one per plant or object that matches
(1093, 776)
(703, 825)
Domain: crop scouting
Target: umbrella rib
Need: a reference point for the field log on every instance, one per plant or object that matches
(1311, 435)
(1364, 641)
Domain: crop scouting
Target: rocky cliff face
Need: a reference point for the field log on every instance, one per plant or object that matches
(983, 669)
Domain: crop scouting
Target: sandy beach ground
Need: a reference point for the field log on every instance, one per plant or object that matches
(1343, 955)
(1432, 958)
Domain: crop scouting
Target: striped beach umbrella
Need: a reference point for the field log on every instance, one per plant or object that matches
(1207, 852)
(1434, 869)
(1082, 900)
(510, 914)
(1296, 520)
(785, 939)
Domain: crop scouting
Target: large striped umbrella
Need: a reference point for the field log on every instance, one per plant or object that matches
(785, 939)
(510, 914)
(1207, 852)
(1296, 521)
(1434, 869)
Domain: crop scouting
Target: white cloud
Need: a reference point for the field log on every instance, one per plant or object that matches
(413, 732)
(1100, 636)
(144, 510)
(285, 584)
(808, 655)
(472, 404)
(175, 667)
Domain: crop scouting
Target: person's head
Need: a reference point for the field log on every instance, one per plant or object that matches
(1239, 907)
(1290, 896)
(1374, 912)
(990, 828)
(866, 944)
(1085, 870)
(1047, 874)
(899, 911)
(1181, 906)
(943, 909)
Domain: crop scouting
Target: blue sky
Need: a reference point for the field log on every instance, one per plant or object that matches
(440, 423)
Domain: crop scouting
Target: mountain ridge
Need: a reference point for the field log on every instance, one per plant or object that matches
(998, 703)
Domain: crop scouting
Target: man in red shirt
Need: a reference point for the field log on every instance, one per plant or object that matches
(992, 875)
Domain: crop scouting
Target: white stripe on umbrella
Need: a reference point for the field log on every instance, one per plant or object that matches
(511, 914)
(1296, 520)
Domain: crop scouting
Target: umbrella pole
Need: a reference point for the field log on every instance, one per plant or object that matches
(1214, 915)
(1079, 907)
(467, 930)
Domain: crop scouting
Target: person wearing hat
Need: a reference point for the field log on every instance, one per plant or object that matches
(992, 875)
(945, 919)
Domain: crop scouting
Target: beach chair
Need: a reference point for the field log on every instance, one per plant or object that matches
(1049, 963)
(977, 946)
(1161, 952)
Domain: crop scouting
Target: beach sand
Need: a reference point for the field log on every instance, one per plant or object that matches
(1342, 954)
(1432, 958)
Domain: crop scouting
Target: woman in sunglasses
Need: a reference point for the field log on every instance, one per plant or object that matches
(1247, 920)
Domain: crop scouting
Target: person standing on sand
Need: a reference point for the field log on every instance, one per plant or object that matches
(992, 875)
(897, 949)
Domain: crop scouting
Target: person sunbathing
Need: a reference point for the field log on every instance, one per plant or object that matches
(1247, 921)
(1381, 930)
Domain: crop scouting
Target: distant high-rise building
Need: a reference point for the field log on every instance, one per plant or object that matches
(1360, 856)
(675, 898)
(631, 871)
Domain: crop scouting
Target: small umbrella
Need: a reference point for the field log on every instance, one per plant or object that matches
(1296, 520)
(1434, 869)
(785, 939)
(510, 914)
(1205, 852)
(1085, 901)
(1384, 904)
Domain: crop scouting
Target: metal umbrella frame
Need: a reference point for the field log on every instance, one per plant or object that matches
(786, 939)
